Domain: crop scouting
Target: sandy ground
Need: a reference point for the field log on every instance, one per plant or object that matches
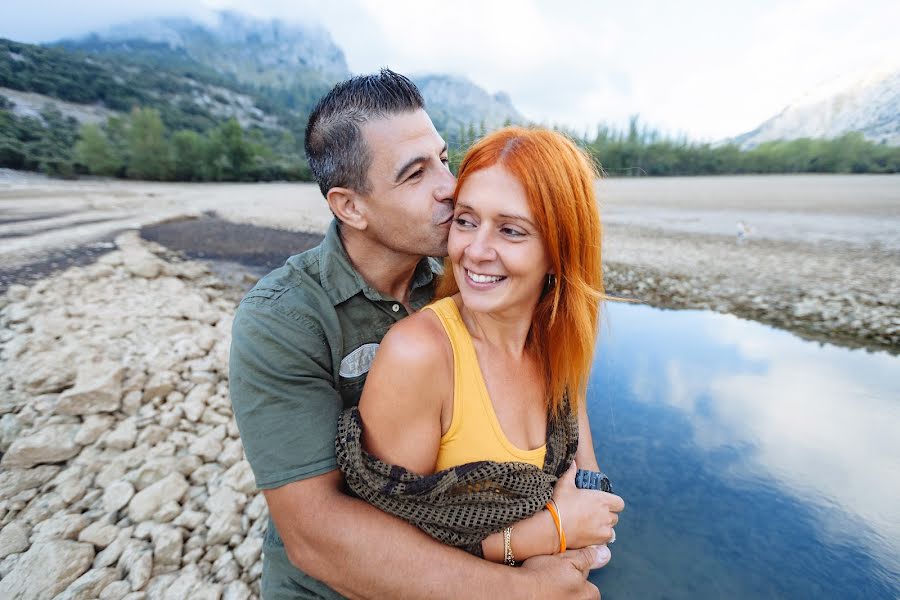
(821, 256)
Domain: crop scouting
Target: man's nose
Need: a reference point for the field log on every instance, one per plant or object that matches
(444, 189)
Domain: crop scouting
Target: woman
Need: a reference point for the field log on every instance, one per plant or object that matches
(496, 369)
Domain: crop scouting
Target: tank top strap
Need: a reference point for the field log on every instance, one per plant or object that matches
(460, 340)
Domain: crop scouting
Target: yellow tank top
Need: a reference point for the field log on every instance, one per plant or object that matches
(474, 433)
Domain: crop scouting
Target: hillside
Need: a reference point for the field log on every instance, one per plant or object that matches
(868, 104)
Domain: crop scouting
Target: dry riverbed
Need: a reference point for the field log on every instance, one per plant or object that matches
(122, 472)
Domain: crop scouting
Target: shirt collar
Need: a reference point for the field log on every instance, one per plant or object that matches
(341, 281)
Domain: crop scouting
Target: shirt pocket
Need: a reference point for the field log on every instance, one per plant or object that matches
(353, 371)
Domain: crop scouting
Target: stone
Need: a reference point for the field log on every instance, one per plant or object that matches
(131, 402)
(17, 312)
(98, 388)
(206, 473)
(152, 435)
(89, 585)
(167, 512)
(74, 487)
(206, 447)
(13, 539)
(207, 591)
(184, 584)
(17, 292)
(51, 444)
(8, 564)
(14, 481)
(43, 507)
(47, 569)
(239, 477)
(236, 590)
(158, 585)
(257, 507)
(225, 569)
(160, 384)
(115, 590)
(195, 402)
(123, 436)
(249, 551)
(99, 534)
(117, 495)
(167, 545)
(10, 426)
(53, 374)
(136, 564)
(190, 519)
(146, 502)
(232, 453)
(226, 500)
(109, 474)
(221, 527)
(60, 526)
(140, 569)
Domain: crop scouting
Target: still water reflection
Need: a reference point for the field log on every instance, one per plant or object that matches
(754, 464)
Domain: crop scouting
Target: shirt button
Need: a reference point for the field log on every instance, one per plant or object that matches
(395, 308)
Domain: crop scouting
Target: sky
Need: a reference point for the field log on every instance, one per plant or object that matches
(702, 68)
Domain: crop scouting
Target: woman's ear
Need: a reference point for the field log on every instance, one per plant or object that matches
(348, 206)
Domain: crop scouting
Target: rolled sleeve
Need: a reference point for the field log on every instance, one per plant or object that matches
(283, 394)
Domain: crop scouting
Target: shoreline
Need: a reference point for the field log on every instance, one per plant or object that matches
(788, 293)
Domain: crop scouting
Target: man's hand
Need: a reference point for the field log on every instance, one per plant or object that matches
(565, 575)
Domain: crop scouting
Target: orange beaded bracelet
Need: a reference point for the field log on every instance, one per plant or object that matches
(554, 512)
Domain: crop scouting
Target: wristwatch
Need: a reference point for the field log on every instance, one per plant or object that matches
(592, 480)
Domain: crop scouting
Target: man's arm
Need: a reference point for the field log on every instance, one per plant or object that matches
(362, 552)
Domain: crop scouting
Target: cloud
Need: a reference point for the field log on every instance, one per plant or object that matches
(821, 422)
(707, 68)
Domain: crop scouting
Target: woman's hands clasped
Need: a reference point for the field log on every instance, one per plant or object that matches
(588, 516)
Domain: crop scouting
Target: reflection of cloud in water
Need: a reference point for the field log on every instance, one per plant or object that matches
(824, 422)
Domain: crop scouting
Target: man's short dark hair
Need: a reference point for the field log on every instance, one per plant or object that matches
(335, 148)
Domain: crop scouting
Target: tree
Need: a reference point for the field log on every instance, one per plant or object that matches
(94, 151)
(149, 152)
(189, 153)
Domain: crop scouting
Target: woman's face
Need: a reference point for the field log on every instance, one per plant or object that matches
(498, 256)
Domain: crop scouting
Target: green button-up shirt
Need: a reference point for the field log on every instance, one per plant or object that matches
(302, 342)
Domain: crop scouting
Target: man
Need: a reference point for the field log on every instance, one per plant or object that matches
(303, 340)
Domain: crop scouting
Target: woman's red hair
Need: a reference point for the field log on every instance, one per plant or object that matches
(558, 178)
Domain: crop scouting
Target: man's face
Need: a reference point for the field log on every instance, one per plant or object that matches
(409, 207)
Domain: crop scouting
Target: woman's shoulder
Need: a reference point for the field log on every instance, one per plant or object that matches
(417, 341)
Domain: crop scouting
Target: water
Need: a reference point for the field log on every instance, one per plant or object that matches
(753, 464)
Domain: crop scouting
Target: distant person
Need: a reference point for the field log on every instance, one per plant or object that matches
(741, 232)
(303, 341)
(496, 369)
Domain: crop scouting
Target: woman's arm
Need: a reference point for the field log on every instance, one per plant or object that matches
(588, 516)
(585, 455)
(406, 388)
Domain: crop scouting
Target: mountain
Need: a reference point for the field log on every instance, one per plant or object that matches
(289, 66)
(869, 104)
(253, 51)
(456, 102)
(229, 100)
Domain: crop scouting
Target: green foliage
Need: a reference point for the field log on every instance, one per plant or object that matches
(95, 153)
(642, 151)
(168, 130)
(149, 153)
(189, 149)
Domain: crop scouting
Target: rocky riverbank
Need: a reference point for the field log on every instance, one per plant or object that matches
(831, 292)
(123, 473)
